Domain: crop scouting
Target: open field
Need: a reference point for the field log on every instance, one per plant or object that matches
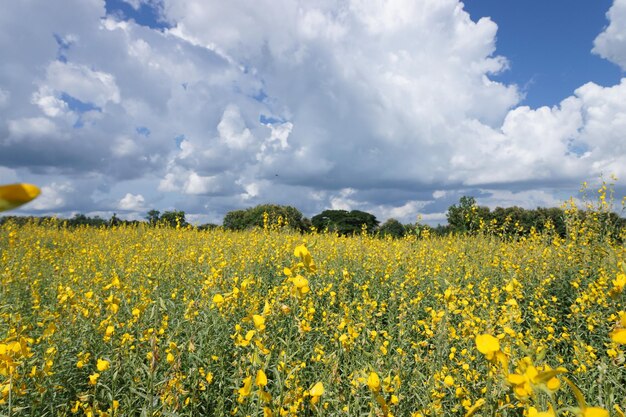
(162, 321)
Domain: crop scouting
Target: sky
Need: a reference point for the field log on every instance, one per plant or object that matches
(395, 107)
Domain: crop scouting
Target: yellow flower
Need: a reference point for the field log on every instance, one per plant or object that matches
(93, 378)
(246, 389)
(218, 299)
(301, 284)
(301, 251)
(259, 322)
(14, 195)
(373, 382)
(619, 283)
(594, 412)
(528, 377)
(470, 411)
(109, 331)
(619, 336)
(448, 381)
(316, 392)
(487, 344)
(305, 257)
(103, 365)
(261, 378)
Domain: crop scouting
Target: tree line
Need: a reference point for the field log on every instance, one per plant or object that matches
(464, 217)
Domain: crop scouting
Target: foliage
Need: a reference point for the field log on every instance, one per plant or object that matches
(345, 222)
(393, 228)
(264, 215)
(466, 216)
(153, 217)
(173, 218)
(160, 321)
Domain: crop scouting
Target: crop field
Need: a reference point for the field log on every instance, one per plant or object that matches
(157, 321)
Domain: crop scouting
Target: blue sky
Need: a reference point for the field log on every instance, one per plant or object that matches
(548, 45)
(398, 107)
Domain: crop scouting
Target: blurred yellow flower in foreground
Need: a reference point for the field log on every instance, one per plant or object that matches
(487, 344)
(14, 195)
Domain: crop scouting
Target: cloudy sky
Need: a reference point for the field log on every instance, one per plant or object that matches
(396, 107)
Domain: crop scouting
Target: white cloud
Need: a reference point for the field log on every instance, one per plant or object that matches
(233, 130)
(329, 104)
(50, 105)
(31, 127)
(197, 184)
(83, 83)
(611, 43)
(52, 196)
(132, 202)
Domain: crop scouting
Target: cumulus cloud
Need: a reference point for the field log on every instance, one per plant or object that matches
(52, 196)
(611, 43)
(132, 202)
(83, 83)
(384, 106)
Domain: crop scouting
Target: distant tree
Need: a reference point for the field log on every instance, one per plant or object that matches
(173, 218)
(466, 216)
(255, 217)
(208, 226)
(80, 219)
(393, 228)
(235, 220)
(114, 221)
(153, 217)
(344, 222)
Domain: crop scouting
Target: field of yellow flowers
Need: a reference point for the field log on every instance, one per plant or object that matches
(143, 321)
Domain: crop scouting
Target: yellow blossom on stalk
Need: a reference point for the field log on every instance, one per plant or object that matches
(109, 331)
(529, 377)
(93, 378)
(448, 381)
(305, 257)
(261, 378)
(475, 407)
(619, 283)
(316, 392)
(259, 322)
(218, 299)
(301, 284)
(246, 389)
(373, 382)
(619, 334)
(487, 345)
(14, 195)
(103, 365)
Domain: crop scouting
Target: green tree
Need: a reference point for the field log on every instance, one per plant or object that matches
(153, 217)
(466, 216)
(255, 217)
(344, 222)
(393, 228)
(174, 218)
